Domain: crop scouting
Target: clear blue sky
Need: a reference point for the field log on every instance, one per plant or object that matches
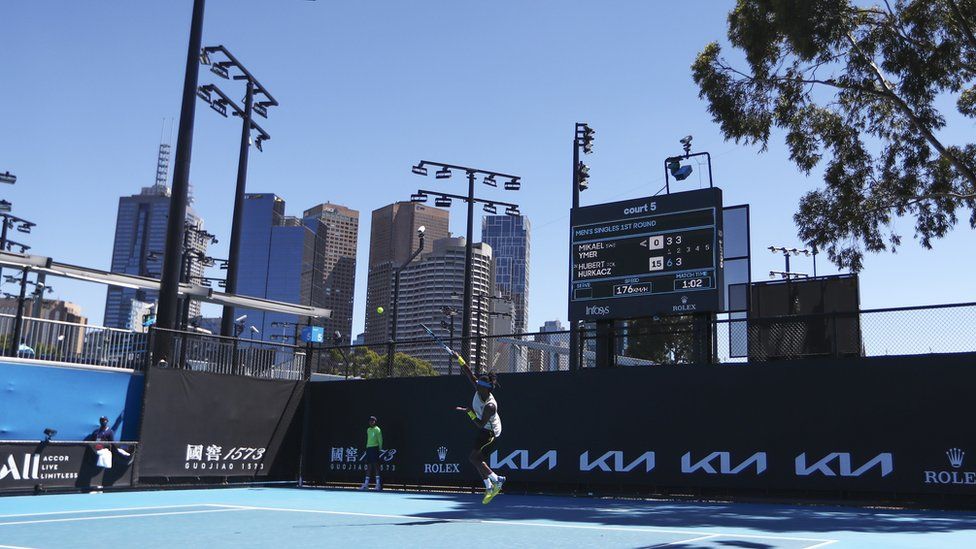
(369, 88)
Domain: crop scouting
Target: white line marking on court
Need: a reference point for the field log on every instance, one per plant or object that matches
(699, 538)
(74, 519)
(106, 510)
(14, 547)
(820, 541)
(824, 544)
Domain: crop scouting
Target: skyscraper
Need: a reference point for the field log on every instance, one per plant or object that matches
(392, 239)
(339, 264)
(281, 259)
(548, 358)
(140, 228)
(508, 237)
(436, 280)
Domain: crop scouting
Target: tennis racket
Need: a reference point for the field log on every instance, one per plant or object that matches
(440, 342)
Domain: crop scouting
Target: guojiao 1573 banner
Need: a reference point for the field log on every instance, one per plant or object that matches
(199, 424)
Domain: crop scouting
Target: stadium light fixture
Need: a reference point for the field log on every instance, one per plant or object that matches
(220, 106)
(679, 172)
(512, 211)
(8, 178)
(445, 200)
(220, 69)
(587, 138)
(583, 176)
(418, 197)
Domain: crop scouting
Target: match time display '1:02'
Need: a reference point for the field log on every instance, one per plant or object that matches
(650, 256)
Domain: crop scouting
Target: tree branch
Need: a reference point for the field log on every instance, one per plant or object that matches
(963, 24)
(921, 198)
(965, 170)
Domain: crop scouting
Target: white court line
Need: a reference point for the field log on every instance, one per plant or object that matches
(75, 519)
(105, 510)
(14, 547)
(820, 541)
(699, 538)
(824, 544)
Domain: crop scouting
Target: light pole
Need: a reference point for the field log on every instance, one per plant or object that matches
(449, 312)
(444, 200)
(9, 221)
(169, 287)
(219, 104)
(582, 140)
(396, 299)
(19, 320)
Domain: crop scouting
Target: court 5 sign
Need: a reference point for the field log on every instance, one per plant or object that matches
(650, 256)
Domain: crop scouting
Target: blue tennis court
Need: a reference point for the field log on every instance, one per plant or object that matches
(290, 517)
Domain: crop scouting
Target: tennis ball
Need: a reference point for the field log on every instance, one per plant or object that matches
(379, 310)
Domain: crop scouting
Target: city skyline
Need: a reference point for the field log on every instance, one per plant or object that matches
(356, 115)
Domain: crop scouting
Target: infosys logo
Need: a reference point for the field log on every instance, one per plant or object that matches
(597, 310)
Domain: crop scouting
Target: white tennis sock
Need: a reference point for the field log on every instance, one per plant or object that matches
(493, 477)
(487, 484)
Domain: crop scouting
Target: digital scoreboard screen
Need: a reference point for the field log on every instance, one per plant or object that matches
(644, 257)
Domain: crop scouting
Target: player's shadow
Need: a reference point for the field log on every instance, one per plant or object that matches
(772, 518)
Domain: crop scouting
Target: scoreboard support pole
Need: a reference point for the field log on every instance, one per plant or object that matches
(605, 344)
(574, 325)
(703, 339)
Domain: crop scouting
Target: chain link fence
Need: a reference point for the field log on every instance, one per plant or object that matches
(669, 340)
(729, 339)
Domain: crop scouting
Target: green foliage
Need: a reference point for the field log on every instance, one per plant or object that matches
(366, 363)
(859, 88)
(663, 340)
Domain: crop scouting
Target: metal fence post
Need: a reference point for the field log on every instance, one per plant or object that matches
(149, 346)
(389, 363)
(181, 337)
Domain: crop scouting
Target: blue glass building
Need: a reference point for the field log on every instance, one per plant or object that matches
(508, 237)
(280, 260)
(140, 229)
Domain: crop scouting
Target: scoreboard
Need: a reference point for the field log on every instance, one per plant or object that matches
(644, 257)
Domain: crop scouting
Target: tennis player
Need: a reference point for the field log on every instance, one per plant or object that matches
(374, 446)
(484, 414)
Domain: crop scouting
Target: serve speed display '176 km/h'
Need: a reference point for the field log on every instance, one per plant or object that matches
(651, 256)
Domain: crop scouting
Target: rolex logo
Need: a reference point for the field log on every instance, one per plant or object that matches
(684, 300)
(955, 457)
(442, 453)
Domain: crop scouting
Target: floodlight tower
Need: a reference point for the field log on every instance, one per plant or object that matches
(443, 200)
(230, 68)
(583, 139)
